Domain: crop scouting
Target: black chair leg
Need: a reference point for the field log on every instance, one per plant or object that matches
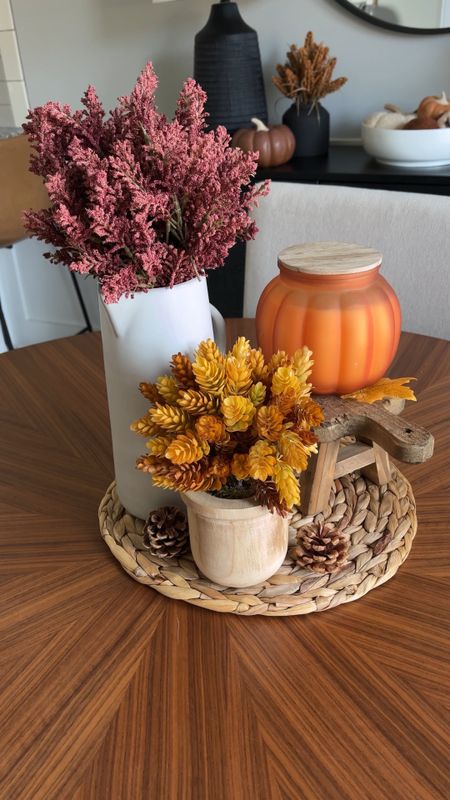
(5, 330)
(88, 326)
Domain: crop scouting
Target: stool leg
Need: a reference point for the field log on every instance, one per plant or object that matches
(318, 480)
(380, 471)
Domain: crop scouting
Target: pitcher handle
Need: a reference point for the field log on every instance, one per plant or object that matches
(219, 328)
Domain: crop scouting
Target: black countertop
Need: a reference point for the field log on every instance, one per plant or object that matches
(348, 165)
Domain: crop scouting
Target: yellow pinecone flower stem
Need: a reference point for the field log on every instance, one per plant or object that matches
(184, 449)
(309, 414)
(285, 401)
(261, 461)
(238, 412)
(145, 426)
(287, 484)
(233, 414)
(279, 359)
(167, 388)
(241, 348)
(158, 445)
(210, 428)
(150, 392)
(169, 418)
(284, 378)
(182, 371)
(238, 376)
(240, 466)
(269, 422)
(257, 393)
(210, 375)
(293, 450)
(258, 366)
(196, 403)
(302, 363)
(209, 350)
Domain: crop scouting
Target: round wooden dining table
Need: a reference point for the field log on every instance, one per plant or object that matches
(110, 691)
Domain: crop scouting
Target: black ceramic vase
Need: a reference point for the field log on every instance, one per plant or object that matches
(227, 65)
(311, 128)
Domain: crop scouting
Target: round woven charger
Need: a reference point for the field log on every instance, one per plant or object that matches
(381, 524)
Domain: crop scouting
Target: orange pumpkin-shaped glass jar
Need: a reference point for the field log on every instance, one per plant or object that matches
(331, 297)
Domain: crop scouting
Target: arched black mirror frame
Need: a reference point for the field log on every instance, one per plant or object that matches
(390, 26)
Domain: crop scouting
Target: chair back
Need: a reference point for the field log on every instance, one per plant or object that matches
(19, 188)
(411, 230)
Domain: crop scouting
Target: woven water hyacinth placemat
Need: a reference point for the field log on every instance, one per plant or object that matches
(380, 521)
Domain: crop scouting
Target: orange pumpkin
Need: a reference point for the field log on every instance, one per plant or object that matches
(433, 107)
(331, 297)
(421, 124)
(275, 144)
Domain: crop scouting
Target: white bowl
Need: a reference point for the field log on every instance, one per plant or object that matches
(399, 148)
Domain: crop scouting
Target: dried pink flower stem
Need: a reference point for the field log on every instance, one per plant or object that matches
(137, 200)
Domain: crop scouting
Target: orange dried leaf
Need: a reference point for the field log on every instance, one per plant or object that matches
(382, 389)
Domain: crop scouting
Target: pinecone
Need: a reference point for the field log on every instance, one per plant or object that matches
(166, 532)
(321, 548)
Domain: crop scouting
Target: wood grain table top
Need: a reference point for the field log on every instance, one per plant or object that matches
(110, 691)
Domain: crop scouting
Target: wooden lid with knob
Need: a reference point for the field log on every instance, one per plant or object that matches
(329, 258)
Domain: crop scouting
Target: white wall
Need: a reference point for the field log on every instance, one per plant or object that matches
(67, 44)
(13, 98)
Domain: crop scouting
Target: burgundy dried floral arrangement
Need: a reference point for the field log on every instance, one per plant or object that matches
(137, 200)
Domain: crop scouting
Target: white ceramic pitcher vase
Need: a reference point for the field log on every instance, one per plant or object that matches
(140, 335)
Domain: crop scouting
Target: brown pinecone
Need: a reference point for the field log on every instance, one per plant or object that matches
(166, 532)
(321, 548)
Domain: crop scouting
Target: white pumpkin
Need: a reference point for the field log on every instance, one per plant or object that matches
(391, 120)
(444, 120)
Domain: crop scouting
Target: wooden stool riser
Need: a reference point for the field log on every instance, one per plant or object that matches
(379, 431)
(333, 461)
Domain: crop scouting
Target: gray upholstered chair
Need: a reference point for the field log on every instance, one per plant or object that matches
(411, 230)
